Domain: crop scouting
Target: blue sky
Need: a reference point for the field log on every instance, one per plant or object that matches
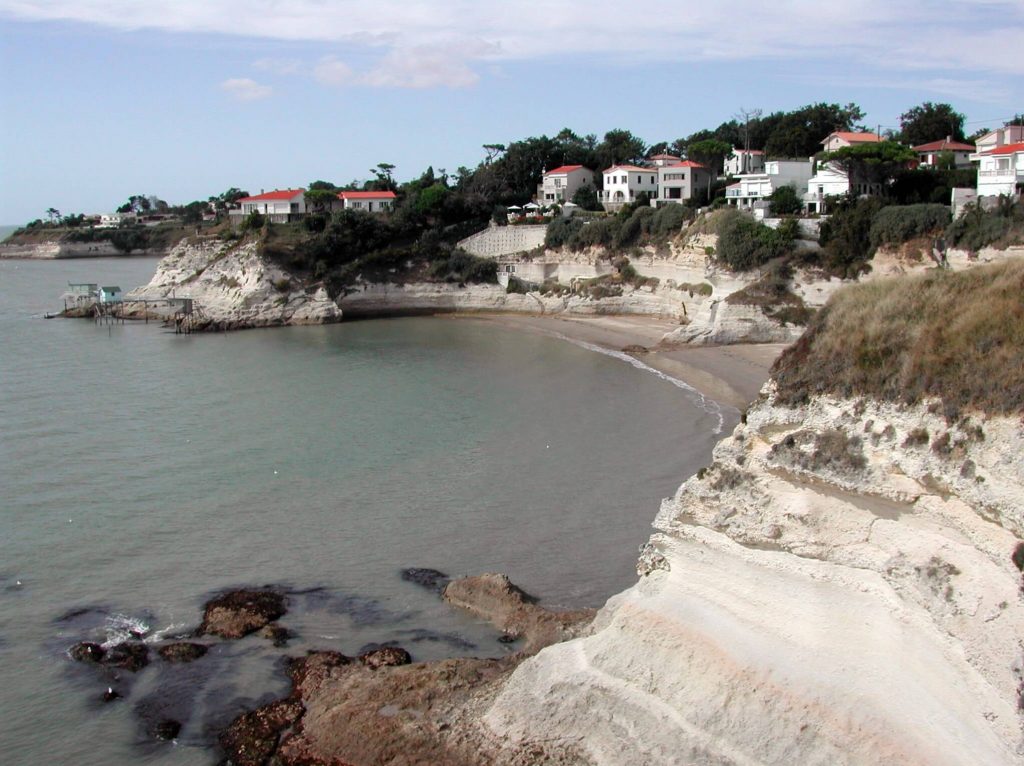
(102, 99)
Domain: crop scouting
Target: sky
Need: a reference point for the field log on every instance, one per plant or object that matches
(102, 99)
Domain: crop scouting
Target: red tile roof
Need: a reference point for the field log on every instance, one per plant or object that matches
(1009, 149)
(366, 195)
(944, 145)
(688, 164)
(283, 194)
(563, 169)
(855, 138)
(663, 157)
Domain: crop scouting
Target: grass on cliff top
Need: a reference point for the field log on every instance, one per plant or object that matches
(958, 337)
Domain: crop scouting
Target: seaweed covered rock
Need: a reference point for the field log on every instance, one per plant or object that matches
(238, 613)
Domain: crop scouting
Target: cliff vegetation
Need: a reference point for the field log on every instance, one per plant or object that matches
(955, 337)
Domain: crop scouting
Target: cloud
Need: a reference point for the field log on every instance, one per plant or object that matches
(331, 71)
(430, 43)
(244, 89)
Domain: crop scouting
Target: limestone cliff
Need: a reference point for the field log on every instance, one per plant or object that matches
(234, 286)
(842, 584)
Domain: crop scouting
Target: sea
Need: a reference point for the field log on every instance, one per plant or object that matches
(142, 472)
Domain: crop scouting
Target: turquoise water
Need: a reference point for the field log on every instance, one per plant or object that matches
(142, 471)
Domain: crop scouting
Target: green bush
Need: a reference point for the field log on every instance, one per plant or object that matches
(463, 267)
(516, 285)
(561, 231)
(897, 224)
(744, 244)
(845, 236)
(785, 201)
(668, 221)
(978, 228)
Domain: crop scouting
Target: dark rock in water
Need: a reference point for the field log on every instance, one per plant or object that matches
(279, 635)
(314, 664)
(110, 694)
(166, 729)
(241, 612)
(508, 638)
(431, 579)
(82, 611)
(128, 656)
(87, 651)
(386, 656)
(252, 737)
(182, 651)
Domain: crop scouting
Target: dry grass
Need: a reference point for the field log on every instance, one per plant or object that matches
(958, 337)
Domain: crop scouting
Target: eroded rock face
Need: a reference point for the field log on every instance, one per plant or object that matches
(833, 588)
(240, 612)
(253, 737)
(234, 287)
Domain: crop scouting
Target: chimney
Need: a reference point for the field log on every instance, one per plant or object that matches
(261, 191)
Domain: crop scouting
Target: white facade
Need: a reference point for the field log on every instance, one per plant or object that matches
(744, 161)
(368, 202)
(752, 187)
(561, 184)
(623, 183)
(1001, 171)
(828, 181)
(279, 206)
(1011, 134)
(680, 182)
(928, 155)
(111, 294)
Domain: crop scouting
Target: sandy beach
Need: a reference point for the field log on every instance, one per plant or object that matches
(730, 375)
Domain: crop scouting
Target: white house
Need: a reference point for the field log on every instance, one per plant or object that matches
(1001, 171)
(367, 201)
(680, 182)
(986, 144)
(113, 220)
(752, 187)
(661, 160)
(744, 161)
(280, 206)
(829, 180)
(560, 185)
(928, 154)
(841, 138)
(623, 183)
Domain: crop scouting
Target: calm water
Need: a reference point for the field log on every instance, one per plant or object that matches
(141, 471)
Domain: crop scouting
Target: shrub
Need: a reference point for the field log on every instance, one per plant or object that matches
(516, 285)
(978, 228)
(897, 224)
(785, 201)
(668, 221)
(845, 236)
(252, 222)
(462, 267)
(744, 244)
(562, 231)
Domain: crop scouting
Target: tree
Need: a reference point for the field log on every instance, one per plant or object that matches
(711, 153)
(871, 164)
(322, 186)
(799, 133)
(321, 200)
(493, 152)
(931, 122)
(619, 146)
(385, 180)
(53, 214)
(586, 198)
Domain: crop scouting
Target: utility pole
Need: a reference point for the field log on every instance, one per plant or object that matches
(745, 115)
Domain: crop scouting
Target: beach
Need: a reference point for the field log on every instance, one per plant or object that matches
(730, 375)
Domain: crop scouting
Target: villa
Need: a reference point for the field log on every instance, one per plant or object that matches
(368, 201)
(623, 183)
(561, 184)
(680, 182)
(753, 187)
(928, 154)
(842, 138)
(279, 206)
(744, 161)
(1001, 171)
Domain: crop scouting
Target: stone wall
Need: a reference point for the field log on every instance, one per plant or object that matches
(504, 240)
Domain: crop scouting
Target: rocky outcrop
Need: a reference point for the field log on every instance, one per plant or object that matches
(238, 613)
(233, 286)
(54, 250)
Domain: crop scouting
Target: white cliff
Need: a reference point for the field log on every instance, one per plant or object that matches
(833, 589)
(234, 286)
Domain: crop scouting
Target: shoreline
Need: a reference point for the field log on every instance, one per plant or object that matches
(730, 375)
